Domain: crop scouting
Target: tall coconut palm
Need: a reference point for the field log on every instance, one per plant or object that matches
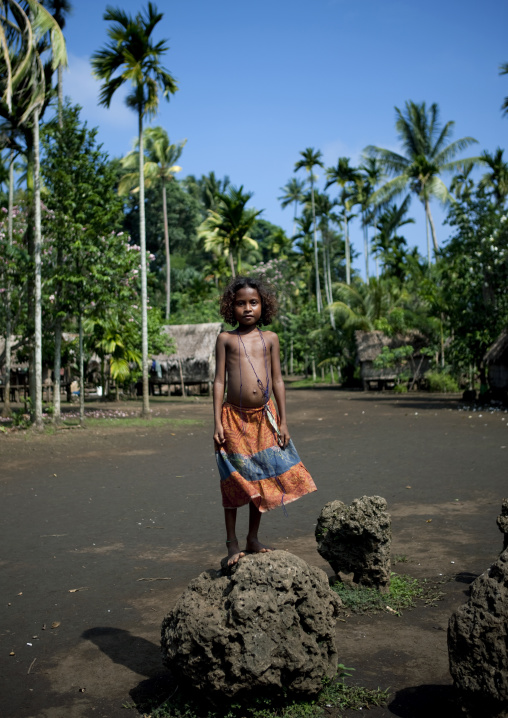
(324, 211)
(497, 178)
(293, 194)
(345, 177)
(59, 9)
(462, 184)
(373, 172)
(227, 228)
(427, 156)
(132, 57)
(312, 158)
(24, 39)
(159, 166)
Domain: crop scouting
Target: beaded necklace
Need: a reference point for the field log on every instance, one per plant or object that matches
(265, 390)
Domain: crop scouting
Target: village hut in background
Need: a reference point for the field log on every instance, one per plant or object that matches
(193, 361)
(369, 346)
(496, 361)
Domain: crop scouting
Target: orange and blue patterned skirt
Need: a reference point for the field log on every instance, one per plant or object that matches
(252, 465)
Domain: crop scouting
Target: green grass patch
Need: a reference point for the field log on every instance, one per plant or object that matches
(309, 382)
(403, 593)
(135, 422)
(335, 694)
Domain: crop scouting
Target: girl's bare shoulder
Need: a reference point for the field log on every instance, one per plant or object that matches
(270, 338)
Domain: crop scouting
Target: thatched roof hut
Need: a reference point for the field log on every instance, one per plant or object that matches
(496, 360)
(194, 356)
(369, 346)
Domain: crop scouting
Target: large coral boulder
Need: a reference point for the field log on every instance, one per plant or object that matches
(478, 644)
(356, 540)
(266, 628)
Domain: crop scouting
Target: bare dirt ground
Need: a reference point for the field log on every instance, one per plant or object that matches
(102, 529)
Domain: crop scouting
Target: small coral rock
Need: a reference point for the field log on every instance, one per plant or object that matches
(356, 539)
(267, 627)
(478, 644)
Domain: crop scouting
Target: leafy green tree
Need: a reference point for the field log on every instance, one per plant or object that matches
(90, 265)
(159, 166)
(428, 155)
(474, 279)
(132, 57)
(313, 158)
(227, 229)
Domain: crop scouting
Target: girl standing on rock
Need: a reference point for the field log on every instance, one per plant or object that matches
(258, 463)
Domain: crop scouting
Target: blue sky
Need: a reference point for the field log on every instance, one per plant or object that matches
(261, 81)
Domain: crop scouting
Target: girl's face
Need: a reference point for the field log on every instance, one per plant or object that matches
(247, 307)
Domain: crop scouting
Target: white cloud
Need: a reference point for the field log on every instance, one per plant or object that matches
(83, 89)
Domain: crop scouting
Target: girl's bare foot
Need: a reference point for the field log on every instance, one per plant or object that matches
(255, 546)
(234, 553)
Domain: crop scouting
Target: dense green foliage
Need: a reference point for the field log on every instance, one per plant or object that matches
(95, 210)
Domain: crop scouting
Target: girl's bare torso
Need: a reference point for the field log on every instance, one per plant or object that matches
(242, 384)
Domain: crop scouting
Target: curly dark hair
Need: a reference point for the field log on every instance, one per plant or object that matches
(268, 299)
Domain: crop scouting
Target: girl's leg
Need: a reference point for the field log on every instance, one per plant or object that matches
(253, 544)
(234, 553)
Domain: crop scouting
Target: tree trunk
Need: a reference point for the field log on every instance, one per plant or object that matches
(316, 262)
(38, 278)
(145, 412)
(348, 258)
(291, 365)
(232, 263)
(366, 250)
(6, 410)
(81, 371)
(166, 246)
(428, 215)
(58, 322)
(56, 368)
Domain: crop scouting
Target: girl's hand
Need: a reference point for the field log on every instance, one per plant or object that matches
(218, 436)
(284, 435)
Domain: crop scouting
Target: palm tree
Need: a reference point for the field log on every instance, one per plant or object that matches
(389, 244)
(462, 184)
(133, 58)
(427, 156)
(159, 166)
(345, 177)
(310, 159)
(324, 207)
(497, 179)
(227, 228)
(503, 70)
(24, 82)
(293, 194)
(59, 9)
(373, 172)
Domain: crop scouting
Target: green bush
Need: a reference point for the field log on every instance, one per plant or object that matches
(440, 382)
(400, 388)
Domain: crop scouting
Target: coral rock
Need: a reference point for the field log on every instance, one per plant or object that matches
(478, 644)
(356, 539)
(266, 628)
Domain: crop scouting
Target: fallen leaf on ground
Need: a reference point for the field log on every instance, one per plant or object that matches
(31, 666)
(408, 487)
(153, 579)
(391, 610)
(12, 653)
(55, 624)
(428, 521)
(74, 590)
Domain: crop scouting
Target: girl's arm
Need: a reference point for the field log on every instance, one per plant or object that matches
(279, 390)
(219, 384)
